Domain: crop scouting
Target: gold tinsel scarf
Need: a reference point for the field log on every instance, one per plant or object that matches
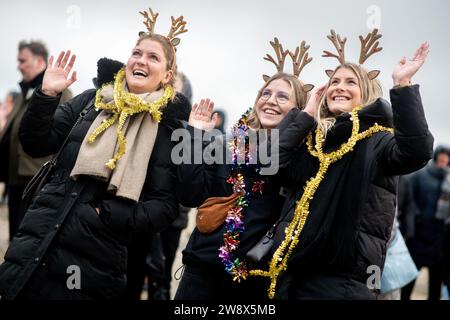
(125, 105)
(280, 258)
(133, 125)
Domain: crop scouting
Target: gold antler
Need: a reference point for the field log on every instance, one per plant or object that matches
(369, 45)
(300, 58)
(149, 19)
(177, 27)
(281, 55)
(339, 44)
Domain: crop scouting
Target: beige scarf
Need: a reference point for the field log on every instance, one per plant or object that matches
(128, 177)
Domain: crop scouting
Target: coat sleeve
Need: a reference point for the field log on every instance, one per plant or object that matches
(197, 180)
(411, 146)
(293, 131)
(158, 206)
(46, 123)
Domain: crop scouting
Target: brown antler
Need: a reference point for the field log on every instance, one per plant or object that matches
(177, 27)
(339, 44)
(281, 55)
(149, 19)
(369, 45)
(300, 58)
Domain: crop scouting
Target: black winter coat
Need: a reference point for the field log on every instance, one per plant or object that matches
(197, 182)
(61, 228)
(426, 244)
(352, 212)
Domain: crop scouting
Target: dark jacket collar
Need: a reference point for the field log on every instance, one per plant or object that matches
(179, 109)
(37, 81)
(379, 112)
(435, 171)
(106, 70)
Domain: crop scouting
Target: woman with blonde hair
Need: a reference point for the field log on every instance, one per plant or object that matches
(113, 175)
(337, 220)
(245, 202)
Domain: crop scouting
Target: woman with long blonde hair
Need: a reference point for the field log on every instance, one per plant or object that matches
(337, 220)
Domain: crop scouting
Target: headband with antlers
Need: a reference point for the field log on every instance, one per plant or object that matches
(176, 28)
(300, 58)
(369, 46)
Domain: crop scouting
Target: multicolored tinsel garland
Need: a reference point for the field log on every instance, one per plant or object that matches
(234, 222)
(280, 258)
(125, 105)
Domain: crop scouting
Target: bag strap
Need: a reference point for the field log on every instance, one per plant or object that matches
(271, 232)
(83, 113)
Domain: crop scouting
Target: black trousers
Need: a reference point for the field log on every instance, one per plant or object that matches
(170, 239)
(436, 278)
(145, 261)
(15, 210)
(447, 256)
(138, 249)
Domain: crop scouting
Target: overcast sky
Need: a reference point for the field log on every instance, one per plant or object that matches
(223, 50)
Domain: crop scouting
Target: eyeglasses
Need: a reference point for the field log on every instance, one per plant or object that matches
(280, 97)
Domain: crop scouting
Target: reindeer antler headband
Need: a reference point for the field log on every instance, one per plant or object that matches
(369, 46)
(177, 27)
(300, 58)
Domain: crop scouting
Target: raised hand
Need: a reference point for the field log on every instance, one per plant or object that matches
(56, 77)
(202, 116)
(407, 68)
(313, 102)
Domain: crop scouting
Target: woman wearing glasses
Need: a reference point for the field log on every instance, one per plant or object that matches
(331, 242)
(215, 265)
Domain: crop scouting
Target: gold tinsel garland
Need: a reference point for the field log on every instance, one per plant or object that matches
(125, 105)
(281, 256)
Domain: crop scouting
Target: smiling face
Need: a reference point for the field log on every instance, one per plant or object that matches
(146, 68)
(344, 92)
(274, 102)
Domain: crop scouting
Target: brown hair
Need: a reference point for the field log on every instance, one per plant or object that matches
(168, 49)
(37, 48)
(370, 91)
(300, 96)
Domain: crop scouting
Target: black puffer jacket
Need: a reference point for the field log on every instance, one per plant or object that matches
(61, 228)
(426, 245)
(352, 212)
(197, 182)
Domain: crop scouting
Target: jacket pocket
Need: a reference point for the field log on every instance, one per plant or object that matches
(93, 220)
